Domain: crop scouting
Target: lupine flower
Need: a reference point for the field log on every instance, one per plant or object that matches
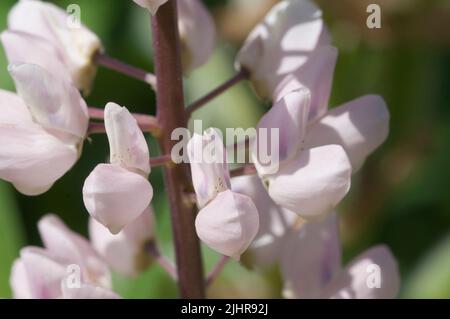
(40, 33)
(41, 129)
(275, 223)
(227, 221)
(45, 273)
(196, 28)
(291, 33)
(116, 194)
(125, 252)
(311, 266)
(308, 181)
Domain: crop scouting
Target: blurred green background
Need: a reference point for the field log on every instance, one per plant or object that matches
(400, 198)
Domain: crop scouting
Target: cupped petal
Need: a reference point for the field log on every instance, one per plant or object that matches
(125, 252)
(21, 47)
(359, 126)
(13, 110)
(87, 291)
(115, 197)
(151, 5)
(32, 159)
(197, 33)
(275, 223)
(316, 75)
(289, 35)
(313, 183)
(43, 272)
(20, 285)
(228, 224)
(77, 43)
(128, 147)
(69, 247)
(311, 258)
(372, 275)
(207, 157)
(54, 103)
(285, 124)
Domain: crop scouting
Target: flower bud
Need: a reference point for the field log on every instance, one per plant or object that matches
(228, 224)
(76, 43)
(151, 5)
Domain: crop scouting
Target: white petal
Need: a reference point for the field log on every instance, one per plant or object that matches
(75, 41)
(316, 75)
(311, 258)
(125, 252)
(21, 47)
(359, 126)
(228, 224)
(274, 223)
(283, 42)
(87, 291)
(13, 110)
(32, 159)
(197, 33)
(359, 279)
(151, 5)
(69, 247)
(128, 147)
(285, 124)
(313, 183)
(54, 103)
(210, 174)
(19, 281)
(115, 196)
(44, 273)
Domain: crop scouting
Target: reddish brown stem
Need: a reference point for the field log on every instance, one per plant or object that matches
(171, 115)
(165, 263)
(215, 272)
(244, 170)
(113, 64)
(147, 123)
(242, 75)
(161, 161)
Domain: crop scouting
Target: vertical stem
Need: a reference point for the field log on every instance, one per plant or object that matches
(171, 115)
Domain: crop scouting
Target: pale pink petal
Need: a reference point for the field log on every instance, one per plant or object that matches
(125, 252)
(274, 223)
(128, 147)
(77, 43)
(43, 272)
(115, 197)
(69, 247)
(316, 75)
(21, 47)
(313, 183)
(210, 174)
(54, 103)
(150, 5)
(88, 291)
(197, 33)
(228, 224)
(285, 124)
(359, 126)
(20, 285)
(359, 279)
(13, 110)
(32, 159)
(311, 257)
(283, 42)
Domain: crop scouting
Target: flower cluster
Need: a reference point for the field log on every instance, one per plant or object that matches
(285, 214)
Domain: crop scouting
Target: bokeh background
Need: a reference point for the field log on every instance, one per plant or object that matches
(400, 198)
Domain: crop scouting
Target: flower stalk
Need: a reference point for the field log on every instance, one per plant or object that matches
(171, 115)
